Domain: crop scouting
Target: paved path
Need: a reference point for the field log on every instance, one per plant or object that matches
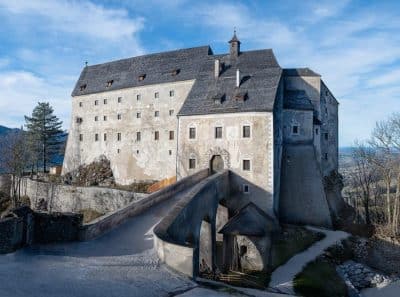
(121, 263)
(392, 290)
(282, 277)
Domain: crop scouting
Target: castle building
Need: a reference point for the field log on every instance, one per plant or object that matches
(175, 113)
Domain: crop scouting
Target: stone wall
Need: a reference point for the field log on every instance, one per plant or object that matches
(5, 183)
(65, 198)
(11, 234)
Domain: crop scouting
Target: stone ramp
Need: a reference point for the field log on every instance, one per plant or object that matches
(282, 277)
(303, 199)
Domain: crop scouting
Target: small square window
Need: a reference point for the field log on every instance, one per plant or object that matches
(156, 95)
(109, 83)
(171, 135)
(246, 131)
(246, 165)
(138, 136)
(119, 99)
(82, 87)
(138, 115)
(192, 133)
(80, 104)
(142, 77)
(105, 136)
(119, 136)
(80, 137)
(156, 114)
(105, 118)
(171, 112)
(295, 129)
(246, 189)
(96, 137)
(192, 163)
(119, 116)
(138, 97)
(96, 102)
(96, 118)
(172, 93)
(326, 136)
(105, 101)
(218, 132)
(118, 151)
(137, 152)
(156, 135)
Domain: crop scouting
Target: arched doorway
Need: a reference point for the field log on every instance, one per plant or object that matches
(216, 164)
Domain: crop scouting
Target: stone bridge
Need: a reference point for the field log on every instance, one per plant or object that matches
(186, 239)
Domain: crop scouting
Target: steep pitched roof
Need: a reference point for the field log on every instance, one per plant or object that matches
(156, 68)
(299, 72)
(260, 75)
(251, 221)
(297, 99)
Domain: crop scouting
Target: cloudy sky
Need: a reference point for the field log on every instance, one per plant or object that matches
(355, 45)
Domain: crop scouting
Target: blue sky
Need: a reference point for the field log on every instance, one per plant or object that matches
(354, 45)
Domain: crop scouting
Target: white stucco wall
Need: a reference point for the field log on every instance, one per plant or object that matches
(234, 149)
(131, 160)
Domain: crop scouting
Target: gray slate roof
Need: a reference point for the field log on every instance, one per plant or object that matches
(157, 68)
(251, 221)
(297, 100)
(260, 75)
(299, 72)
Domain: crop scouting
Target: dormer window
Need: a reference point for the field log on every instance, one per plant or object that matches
(142, 77)
(109, 83)
(218, 98)
(175, 72)
(82, 87)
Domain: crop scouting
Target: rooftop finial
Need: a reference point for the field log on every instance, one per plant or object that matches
(86, 63)
(234, 44)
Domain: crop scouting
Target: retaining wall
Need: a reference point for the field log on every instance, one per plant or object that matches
(11, 234)
(109, 221)
(65, 198)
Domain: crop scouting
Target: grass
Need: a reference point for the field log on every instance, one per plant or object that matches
(291, 241)
(90, 215)
(319, 279)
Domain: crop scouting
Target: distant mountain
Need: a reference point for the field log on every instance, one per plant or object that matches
(4, 130)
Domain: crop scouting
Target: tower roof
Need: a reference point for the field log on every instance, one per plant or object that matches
(234, 38)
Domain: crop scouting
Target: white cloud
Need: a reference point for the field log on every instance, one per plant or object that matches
(387, 78)
(79, 17)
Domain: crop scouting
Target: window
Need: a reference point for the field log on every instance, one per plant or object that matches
(82, 87)
(326, 156)
(246, 131)
(170, 152)
(80, 137)
(138, 115)
(79, 120)
(246, 165)
(96, 118)
(109, 83)
(295, 129)
(105, 101)
(105, 118)
(119, 136)
(246, 189)
(142, 77)
(171, 135)
(138, 97)
(96, 102)
(192, 133)
(218, 132)
(96, 137)
(137, 152)
(171, 112)
(118, 151)
(156, 95)
(119, 99)
(243, 250)
(316, 131)
(156, 135)
(80, 104)
(119, 116)
(138, 136)
(156, 114)
(105, 136)
(326, 136)
(192, 163)
(172, 93)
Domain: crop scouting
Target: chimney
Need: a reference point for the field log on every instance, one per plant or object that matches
(217, 69)
(237, 78)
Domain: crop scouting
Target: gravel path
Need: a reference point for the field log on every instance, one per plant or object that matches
(282, 277)
(120, 263)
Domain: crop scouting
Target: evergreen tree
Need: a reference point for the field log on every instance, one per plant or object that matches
(45, 134)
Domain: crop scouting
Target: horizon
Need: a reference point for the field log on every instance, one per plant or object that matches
(45, 45)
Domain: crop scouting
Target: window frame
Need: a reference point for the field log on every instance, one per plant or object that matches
(244, 129)
(192, 163)
(157, 135)
(246, 161)
(190, 134)
(218, 135)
